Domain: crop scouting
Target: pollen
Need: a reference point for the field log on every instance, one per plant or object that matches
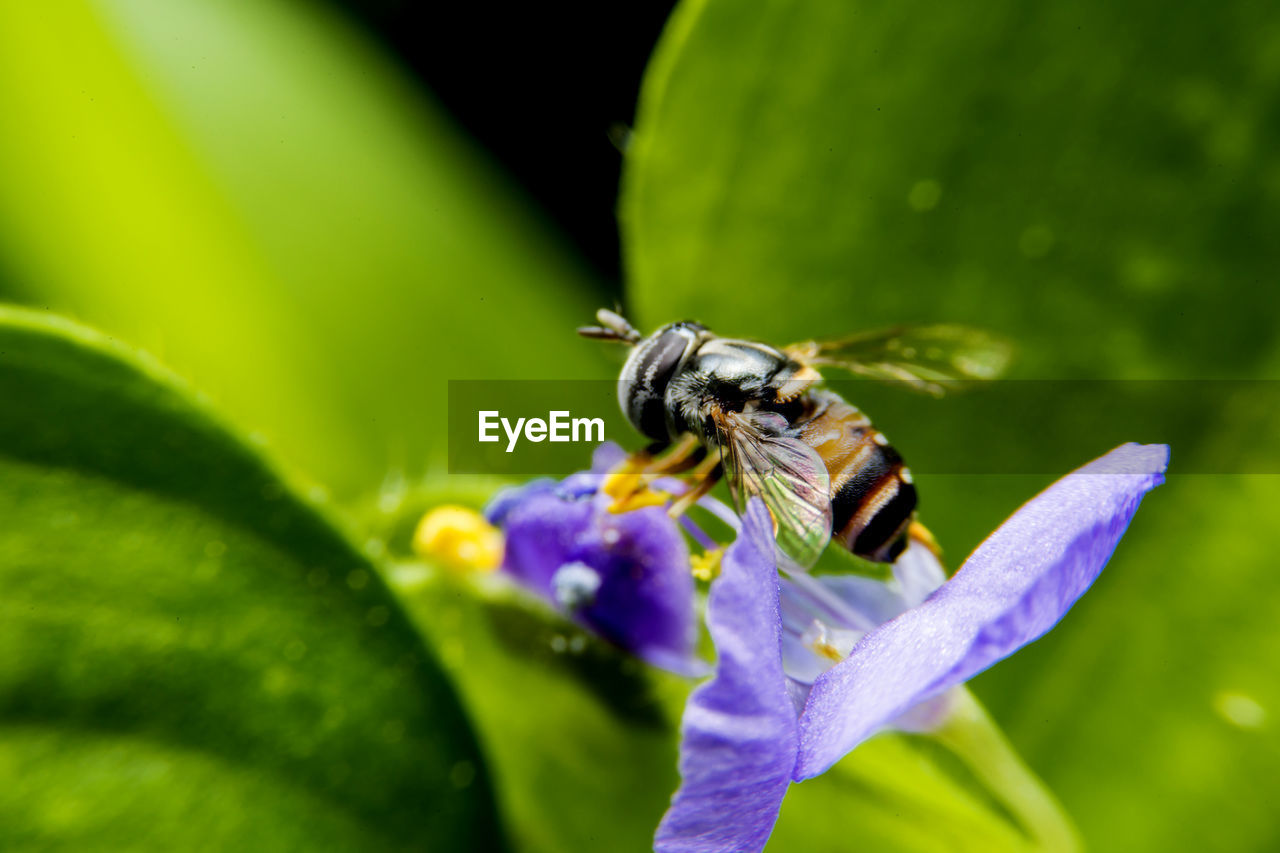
(832, 644)
(706, 566)
(828, 651)
(459, 538)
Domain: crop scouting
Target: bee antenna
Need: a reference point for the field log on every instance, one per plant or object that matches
(613, 327)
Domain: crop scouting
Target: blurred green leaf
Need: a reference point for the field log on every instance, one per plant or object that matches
(250, 190)
(191, 657)
(893, 793)
(580, 743)
(1093, 180)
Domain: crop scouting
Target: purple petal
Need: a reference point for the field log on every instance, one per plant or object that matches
(606, 457)
(542, 531)
(738, 744)
(1011, 590)
(644, 601)
(507, 499)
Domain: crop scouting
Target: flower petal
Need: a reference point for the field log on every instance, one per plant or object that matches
(606, 457)
(543, 531)
(1011, 590)
(507, 499)
(643, 596)
(738, 744)
(645, 602)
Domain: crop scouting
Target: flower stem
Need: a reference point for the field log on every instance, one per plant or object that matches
(973, 737)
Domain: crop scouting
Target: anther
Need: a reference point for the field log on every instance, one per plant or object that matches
(458, 538)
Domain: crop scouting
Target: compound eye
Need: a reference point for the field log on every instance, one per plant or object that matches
(643, 384)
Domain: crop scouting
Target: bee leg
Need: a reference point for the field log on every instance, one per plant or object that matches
(919, 533)
(629, 483)
(626, 479)
(643, 467)
(704, 477)
(680, 456)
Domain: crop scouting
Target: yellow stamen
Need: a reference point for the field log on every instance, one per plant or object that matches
(832, 645)
(827, 650)
(623, 480)
(458, 538)
(706, 566)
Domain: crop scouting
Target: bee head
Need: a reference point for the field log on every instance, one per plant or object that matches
(651, 364)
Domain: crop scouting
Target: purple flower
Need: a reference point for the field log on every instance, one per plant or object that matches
(780, 708)
(623, 575)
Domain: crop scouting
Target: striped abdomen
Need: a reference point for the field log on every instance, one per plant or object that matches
(872, 498)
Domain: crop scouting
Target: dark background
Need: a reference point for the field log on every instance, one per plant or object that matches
(550, 124)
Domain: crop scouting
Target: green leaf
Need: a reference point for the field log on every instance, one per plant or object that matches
(1093, 180)
(192, 656)
(893, 793)
(580, 737)
(251, 190)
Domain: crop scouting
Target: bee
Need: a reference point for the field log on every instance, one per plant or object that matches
(756, 414)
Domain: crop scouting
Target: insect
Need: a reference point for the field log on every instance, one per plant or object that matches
(756, 414)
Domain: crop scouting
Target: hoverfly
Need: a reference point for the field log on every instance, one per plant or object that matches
(755, 414)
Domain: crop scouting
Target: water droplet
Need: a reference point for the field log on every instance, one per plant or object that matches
(338, 773)
(392, 493)
(278, 680)
(1036, 241)
(1145, 271)
(575, 585)
(462, 774)
(393, 731)
(1239, 709)
(409, 576)
(924, 195)
(452, 653)
(206, 570)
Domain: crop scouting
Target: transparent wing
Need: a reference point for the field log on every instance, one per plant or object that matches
(760, 459)
(920, 357)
